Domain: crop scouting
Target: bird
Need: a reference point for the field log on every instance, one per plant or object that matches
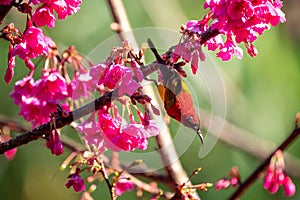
(174, 93)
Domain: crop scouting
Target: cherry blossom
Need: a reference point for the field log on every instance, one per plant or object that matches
(233, 179)
(91, 133)
(288, 186)
(52, 86)
(44, 15)
(222, 184)
(54, 143)
(10, 154)
(276, 176)
(236, 21)
(126, 137)
(123, 185)
(39, 98)
(76, 181)
(33, 44)
(81, 86)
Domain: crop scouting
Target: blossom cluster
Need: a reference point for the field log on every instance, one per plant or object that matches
(44, 14)
(32, 43)
(233, 180)
(76, 181)
(107, 128)
(276, 176)
(87, 161)
(228, 23)
(38, 99)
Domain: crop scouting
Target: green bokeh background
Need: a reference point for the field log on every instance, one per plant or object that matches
(263, 97)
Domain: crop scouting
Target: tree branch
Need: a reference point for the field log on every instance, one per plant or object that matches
(252, 178)
(43, 130)
(244, 140)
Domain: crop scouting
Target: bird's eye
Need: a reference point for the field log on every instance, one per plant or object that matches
(196, 126)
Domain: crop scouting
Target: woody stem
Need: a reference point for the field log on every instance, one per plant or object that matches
(254, 176)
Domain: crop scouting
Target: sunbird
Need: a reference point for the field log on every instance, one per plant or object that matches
(178, 101)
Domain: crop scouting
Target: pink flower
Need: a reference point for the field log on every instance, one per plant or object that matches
(10, 154)
(252, 51)
(289, 187)
(35, 2)
(33, 44)
(22, 87)
(43, 16)
(128, 137)
(10, 68)
(128, 86)
(233, 180)
(194, 62)
(229, 49)
(38, 99)
(52, 86)
(275, 176)
(66, 7)
(54, 143)
(114, 75)
(76, 181)
(97, 72)
(31, 110)
(91, 133)
(222, 184)
(190, 51)
(123, 185)
(242, 20)
(268, 178)
(81, 86)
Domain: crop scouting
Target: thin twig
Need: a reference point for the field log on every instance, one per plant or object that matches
(43, 130)
(154, 190)
(105, 176)
(252, 178)
(231, 134)
(244, 140)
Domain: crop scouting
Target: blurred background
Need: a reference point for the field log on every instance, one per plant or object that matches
(263, 97)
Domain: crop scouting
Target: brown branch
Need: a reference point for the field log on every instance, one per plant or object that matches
(154, 190)
(244, 140)
(254, 176)
(231, 134)
(43, 130)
